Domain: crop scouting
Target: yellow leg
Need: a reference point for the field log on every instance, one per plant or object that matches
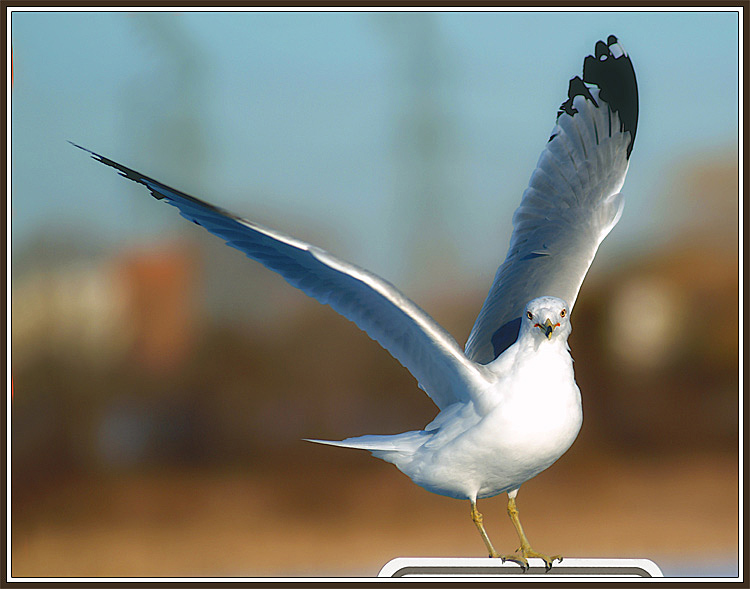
(477, 517)
(526, 551)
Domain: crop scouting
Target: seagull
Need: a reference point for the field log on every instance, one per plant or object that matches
(508, 403)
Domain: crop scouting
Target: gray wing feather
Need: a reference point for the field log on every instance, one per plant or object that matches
(572, 202)
(421, 345)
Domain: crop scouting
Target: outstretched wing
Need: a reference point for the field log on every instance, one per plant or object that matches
(429, 352)
(572, 202)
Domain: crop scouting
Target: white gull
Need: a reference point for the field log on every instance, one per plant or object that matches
(509, 404)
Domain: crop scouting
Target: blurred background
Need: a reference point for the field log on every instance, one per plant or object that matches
(165, 381)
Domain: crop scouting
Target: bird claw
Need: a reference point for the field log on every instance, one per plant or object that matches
(526, 553)
(548, 560)
(519, 560)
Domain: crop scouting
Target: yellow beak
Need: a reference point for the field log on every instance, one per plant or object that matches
(547, 328)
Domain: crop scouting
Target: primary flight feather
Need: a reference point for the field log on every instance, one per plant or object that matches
(509, 404)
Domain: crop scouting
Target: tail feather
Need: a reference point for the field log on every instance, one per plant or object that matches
(406, 442)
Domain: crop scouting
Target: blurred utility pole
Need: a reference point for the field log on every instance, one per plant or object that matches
(422, 143)
(164, 109)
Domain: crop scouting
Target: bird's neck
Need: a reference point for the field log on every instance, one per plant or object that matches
(537, 353)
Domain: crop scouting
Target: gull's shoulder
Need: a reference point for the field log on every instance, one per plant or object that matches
(504, 364)
(459, 411)
(451, 422)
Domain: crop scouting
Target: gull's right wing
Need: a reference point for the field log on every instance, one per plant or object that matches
(572, 202)
(411, 336)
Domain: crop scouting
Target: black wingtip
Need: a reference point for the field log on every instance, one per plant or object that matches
(122, 170)
(93, 155)
(610, 70)
(157, 189)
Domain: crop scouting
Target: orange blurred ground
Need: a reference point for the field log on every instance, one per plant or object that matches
(338, 516)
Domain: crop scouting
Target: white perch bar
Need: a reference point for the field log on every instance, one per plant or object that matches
(494, 567)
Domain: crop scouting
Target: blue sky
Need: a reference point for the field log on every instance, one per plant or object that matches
(301, 121)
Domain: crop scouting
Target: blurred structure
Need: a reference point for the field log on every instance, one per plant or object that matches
(423, 138)
(161, 285)
(78, 325)
(78, 313)
(164, 108)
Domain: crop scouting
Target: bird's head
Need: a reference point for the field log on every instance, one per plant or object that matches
(547, 318)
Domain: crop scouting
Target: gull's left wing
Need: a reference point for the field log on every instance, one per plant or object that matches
(422, 346)
(572, 202)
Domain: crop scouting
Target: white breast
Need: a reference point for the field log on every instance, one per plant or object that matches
(531, 417)
(536, 418)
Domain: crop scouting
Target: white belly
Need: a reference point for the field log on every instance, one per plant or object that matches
(528, 429)
(528, 438)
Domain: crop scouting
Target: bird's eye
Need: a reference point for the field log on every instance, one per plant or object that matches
(563, 312)
(529, 315)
